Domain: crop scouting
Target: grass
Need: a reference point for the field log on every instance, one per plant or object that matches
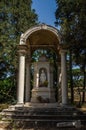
(83, 107)
(3, 106)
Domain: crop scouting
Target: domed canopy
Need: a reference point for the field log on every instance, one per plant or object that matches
(42, 37)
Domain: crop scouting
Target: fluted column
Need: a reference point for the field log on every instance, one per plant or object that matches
(64, 78)
(21, 80)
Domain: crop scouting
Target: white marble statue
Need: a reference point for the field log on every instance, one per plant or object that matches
(42, 77)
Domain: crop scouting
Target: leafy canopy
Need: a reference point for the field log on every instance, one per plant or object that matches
(16, 16)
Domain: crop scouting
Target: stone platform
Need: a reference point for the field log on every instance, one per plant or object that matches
(43, 115)
(41, 105)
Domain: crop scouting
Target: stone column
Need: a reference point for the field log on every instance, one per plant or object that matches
(37, 80)
(59, 73)
(36, 76)
(27, 89)
(59, 78)
(21, 79)
(51, 75)
(64, 77)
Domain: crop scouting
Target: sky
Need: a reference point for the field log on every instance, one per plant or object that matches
(45, 10)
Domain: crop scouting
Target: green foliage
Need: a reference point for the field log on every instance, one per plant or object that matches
(77, 78)
(16, 16)
(71, 17)
(7, 90)
(3, 106)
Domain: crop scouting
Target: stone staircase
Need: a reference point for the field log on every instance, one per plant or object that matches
(61, 116)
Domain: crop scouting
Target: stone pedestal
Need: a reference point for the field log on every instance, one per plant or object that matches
(43, 95)
(43, 91)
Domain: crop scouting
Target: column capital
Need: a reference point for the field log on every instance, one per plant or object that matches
(63, 51)
(22, 49)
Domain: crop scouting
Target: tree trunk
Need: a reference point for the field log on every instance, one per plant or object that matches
(84, 82)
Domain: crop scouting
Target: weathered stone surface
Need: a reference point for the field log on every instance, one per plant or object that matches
(43, 116)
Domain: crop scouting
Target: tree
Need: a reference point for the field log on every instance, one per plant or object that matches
(71, 17)
(16, 16)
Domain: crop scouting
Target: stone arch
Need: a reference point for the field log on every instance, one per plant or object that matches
(42, 27)
(42, 36)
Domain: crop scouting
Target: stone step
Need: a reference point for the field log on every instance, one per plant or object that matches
(42, 116)
(39, 113)
(43, 121)
(37, 108)
(27, 109)
(42, 112)
(42, 125)
(46, 117)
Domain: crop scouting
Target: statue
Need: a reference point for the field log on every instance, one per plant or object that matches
(42, 77)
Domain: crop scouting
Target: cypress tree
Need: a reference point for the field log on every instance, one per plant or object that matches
(16, 16)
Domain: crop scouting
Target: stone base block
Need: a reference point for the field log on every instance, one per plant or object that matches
(43, 95)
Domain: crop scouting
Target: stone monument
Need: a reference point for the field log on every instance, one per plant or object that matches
(43, 89)
(41, 37)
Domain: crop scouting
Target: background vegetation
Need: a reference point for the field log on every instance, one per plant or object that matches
(16, 16)
(71, 18)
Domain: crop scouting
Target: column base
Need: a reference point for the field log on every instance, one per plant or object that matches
(66, 105)
(19, 105)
